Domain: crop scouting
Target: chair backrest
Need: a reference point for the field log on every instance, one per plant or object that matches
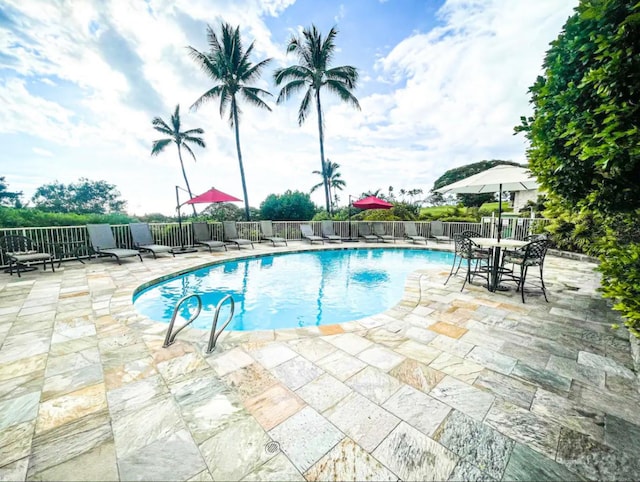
(437, 228)
(378, 229)
(535, 251)
(410, 228)
(327, 228)
(364, 229)
(267, 228)
(470, 234)
(141, 234)
(306, 230)
(230, 231)
(17, 244)
(201, 232)
(101, 236)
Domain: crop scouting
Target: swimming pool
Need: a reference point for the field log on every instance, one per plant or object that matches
(292, 290)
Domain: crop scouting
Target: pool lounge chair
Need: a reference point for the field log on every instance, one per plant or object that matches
(231, 235)
(143, 240)
(266, 232)
(328, 233)
(202, 237)
(378, 230)
(364, 231)
(411, 232)
(436, 229)
(307, 233)
(104, 244)
(21, 251)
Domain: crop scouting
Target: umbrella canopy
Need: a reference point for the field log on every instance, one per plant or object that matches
(497, 179)
(212, 196)
(372, 202)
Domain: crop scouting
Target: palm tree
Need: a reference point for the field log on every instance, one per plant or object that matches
(313, 73)
(333, 176)
(227, 64)
(182, 139)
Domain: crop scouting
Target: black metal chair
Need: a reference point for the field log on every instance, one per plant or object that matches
(21, 252)
(531, 254)
(466, 249)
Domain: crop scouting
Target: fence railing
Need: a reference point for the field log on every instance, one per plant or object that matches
(172, 234)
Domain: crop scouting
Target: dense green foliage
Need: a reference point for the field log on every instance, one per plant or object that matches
(82, 197)
(462, 172)
(8, 198)
(28, 218)
(290, 206)
(585, 142)
(311, 76)
(182, 139)
(227, 63)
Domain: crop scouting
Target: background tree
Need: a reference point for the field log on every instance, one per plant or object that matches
(227, 64)
(290, 206)
(313, 73)
(181, 139)
(83, 197)
(334, 177)
(8, 198)
(585, 141)
(462, 172)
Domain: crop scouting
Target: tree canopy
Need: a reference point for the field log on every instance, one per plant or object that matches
(290, 206)
(8, 198)
(82, 197)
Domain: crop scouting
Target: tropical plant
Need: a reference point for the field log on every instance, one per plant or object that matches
(227, 64)
(9, 198)
(289, 206)
(181, 139)
(313, 73)
(82, 197)
(333, 177)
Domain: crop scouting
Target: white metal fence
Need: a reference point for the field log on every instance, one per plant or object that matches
(67, 242)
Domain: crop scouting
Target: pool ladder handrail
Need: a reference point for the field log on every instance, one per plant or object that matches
(170, 338)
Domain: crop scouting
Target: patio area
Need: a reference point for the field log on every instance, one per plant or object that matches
(447, 385)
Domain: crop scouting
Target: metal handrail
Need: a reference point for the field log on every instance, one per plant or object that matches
(213, 337)
(171, 337)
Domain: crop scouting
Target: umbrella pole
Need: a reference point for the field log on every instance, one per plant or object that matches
(499, 212)
(182, 249)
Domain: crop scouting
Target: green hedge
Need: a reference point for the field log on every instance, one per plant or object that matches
(31, 218)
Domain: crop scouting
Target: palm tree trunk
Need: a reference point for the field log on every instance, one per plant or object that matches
(234, 109)
(186, 181)
(324, 169)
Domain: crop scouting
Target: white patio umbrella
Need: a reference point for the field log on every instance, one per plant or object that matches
(497, 179)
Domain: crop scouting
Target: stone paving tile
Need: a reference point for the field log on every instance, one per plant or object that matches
(475, 443)
(475, 337)
(73, 361)
(349, 342)
(457, 367)
(620, 434)
(464, 397)
(420, 334)
(464, 471)
(129, 372)
(348, 461)
(273, 354)
(362, 420)
(604, 363)
(250, 381)
(417, 374)
(493, 360)
(417, 409)
(312, 349)
(61, 410)
(15, 442)
(620, 386)
(136, 394)
(323, 392)
(525, 427)
(278, 469)
(341, 365)
(296, 372)
(374, 384)
(20, 409)
(593, 460)
(541, 377)
(526, 465)
(273, 406)
(306, 437)
(506, 388)
(385, 337)
(572, 369)
(447, 329)
(450, 345)
(71, 381)
(595, 398)
(418, 351)
(413, 456)
(380, 357)
(98, 463)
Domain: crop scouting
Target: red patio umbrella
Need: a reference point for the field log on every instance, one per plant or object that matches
(212, 196)
(372, 202)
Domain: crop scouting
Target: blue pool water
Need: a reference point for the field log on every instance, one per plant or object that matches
(292, 290)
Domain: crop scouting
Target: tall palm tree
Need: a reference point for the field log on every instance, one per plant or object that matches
(334, 178)
(227, 64)
(313, 73)
(182, 139)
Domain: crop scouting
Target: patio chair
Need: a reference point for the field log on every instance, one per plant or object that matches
(477, 259)
(307, 233)
(143, 240)
(411, 232)
(436, 231)
(202, 237)
(531, 254)
(328, 233)
(364, 231)
(266, 232)
(378, 230)
(104, 244)
(21, 252)
(231, 235)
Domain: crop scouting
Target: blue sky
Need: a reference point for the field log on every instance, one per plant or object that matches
(442, 84)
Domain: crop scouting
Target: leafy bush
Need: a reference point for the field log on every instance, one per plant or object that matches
(28, 218)
(290, 206)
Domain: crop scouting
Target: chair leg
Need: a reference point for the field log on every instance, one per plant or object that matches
(523, 278)
(544, 289)
(468, 275)
(453, 265)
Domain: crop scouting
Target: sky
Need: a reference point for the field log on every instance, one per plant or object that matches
(442, 83)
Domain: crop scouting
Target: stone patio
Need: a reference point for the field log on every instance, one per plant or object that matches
(444, 386)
